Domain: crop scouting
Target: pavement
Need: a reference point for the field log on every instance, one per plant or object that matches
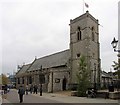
(64, 97)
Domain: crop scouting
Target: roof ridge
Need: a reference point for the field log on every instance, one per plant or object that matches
(31, 64)
(53, 54)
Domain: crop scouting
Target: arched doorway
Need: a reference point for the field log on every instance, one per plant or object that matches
(64, 84)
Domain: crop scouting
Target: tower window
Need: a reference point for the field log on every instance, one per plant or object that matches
(78, 28)
(79, 35)
(93, 28)
(78, 55)
(93, 36)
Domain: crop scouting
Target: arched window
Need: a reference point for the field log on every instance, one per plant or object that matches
(93, 28)
(30, 80)
(18, 80)
(78, 55)
(93, 33)
(22, 80)
(93, 36)
(78, 28)
(27, 80)
(79, 34)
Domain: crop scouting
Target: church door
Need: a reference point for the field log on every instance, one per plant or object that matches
(64, 84)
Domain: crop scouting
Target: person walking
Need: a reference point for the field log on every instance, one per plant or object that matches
(35, 88)
(31, 88)
(27, 89)
(5, 91)
(21, 92)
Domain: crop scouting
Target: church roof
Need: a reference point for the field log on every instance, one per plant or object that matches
(83, 16)
(54, 60)
(23, 69)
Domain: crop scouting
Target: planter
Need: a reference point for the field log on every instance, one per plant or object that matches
(114, 95)
(74, 93)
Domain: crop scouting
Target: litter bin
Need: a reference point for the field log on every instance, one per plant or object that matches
(111, 88)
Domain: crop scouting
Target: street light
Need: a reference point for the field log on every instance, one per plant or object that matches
(41, 79)
(40, 71)
(114, 45)
(95, 76)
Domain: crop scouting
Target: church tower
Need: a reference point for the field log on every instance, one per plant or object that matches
(84, 40)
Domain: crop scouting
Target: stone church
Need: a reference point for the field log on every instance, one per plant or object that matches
(59, 69)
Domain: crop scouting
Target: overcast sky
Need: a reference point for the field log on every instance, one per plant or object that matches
(30, 28)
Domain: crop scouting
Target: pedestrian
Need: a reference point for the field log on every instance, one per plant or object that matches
(35, 88)
(27, 89)
(31, 88)
(5, 89)
(21, 92)
(8, 89)
(4, 96)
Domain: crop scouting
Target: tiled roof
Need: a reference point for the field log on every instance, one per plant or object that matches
(54, 60)
(23, 69)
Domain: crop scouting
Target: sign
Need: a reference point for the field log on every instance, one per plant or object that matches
(57, 80)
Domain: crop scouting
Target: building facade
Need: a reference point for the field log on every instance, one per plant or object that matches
(60, 69)
(55, 69)
(107, 79)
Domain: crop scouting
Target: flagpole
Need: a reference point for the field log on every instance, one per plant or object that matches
(83, 6)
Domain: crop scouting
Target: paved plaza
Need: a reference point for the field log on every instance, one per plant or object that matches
(12, 97)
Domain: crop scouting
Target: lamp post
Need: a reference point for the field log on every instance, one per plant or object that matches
(95, 76)
(40, 71)
(114, 45)
(41, 79)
